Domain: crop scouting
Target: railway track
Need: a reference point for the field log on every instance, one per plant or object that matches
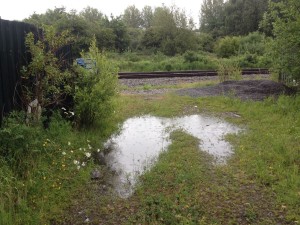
(189, 73)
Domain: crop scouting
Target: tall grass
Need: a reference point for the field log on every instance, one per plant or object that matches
(41, 169)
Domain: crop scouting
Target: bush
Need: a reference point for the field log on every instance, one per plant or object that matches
(206, 42)
(95, 89)
(190, 57)
(253, 43)
(227, 46)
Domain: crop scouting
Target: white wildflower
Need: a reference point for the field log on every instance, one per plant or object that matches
(64, 153)
(78, 167)
(76, 162)
(72, 113)
(69, 143)
(87, 154)
(98, 150)
(90, 147)
(83, 164)
(63, 108)
(80, 149)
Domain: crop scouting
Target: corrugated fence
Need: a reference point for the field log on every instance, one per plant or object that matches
(12, 57)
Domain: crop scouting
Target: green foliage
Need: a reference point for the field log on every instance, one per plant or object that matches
(285, 49)
(190, 56)
(227, 46)
(45, 78)
(233, 17)
(243, 16)
(41, 169)
(18, 148)
(229, 70)
(95, 89)
(132, 17)
(253, 43)
(206, 42)
(212, 17)
(139, 62)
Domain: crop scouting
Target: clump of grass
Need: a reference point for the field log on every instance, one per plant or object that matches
(41, 169)
(229, 70)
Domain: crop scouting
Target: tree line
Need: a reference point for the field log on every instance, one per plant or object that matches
(171, 31)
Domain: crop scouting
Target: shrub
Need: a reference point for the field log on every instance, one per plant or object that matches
(51, 79)
(253, 43)
(227, 46)
(206, 42)
(190, 57)
(95, 89)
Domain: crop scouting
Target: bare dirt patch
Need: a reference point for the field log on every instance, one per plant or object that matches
(244, 89)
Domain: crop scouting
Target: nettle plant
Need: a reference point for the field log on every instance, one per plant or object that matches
(45, 80)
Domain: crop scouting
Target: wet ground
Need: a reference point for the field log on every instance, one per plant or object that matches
(137, 147)
(252, 87)
(245, 89)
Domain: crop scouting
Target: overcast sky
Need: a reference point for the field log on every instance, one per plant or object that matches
(20, 9)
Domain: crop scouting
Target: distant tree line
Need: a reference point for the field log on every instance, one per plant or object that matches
(170, 31)
(165, 29)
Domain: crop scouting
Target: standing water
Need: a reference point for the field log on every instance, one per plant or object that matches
(141, 140)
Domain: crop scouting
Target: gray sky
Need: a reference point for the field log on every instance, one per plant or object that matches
(20, 9)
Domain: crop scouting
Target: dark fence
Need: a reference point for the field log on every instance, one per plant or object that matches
(13, 56)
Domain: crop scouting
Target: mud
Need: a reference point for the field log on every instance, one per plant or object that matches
(245, 90)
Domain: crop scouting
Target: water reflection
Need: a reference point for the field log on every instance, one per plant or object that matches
(141, 140)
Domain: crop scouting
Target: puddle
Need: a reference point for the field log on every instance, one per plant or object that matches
(141, 140)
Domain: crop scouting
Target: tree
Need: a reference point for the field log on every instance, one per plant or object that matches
(243, 16)
(121, 41)
(147, 16)
(285, 50)
(132, 17)
(212, 17)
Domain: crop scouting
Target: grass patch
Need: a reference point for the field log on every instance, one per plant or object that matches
(185, 188)
(41, 170)
(267, 154)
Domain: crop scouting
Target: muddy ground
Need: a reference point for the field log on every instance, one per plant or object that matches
(251, 87)
(245, 89)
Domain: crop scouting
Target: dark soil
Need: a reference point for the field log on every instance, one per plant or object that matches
(244, 89)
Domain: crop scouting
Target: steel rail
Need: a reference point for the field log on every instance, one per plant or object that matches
(188, 73)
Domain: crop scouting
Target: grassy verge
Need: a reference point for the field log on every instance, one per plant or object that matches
(259, 184)
(185, 188)
(42, 169)
(266, 155)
